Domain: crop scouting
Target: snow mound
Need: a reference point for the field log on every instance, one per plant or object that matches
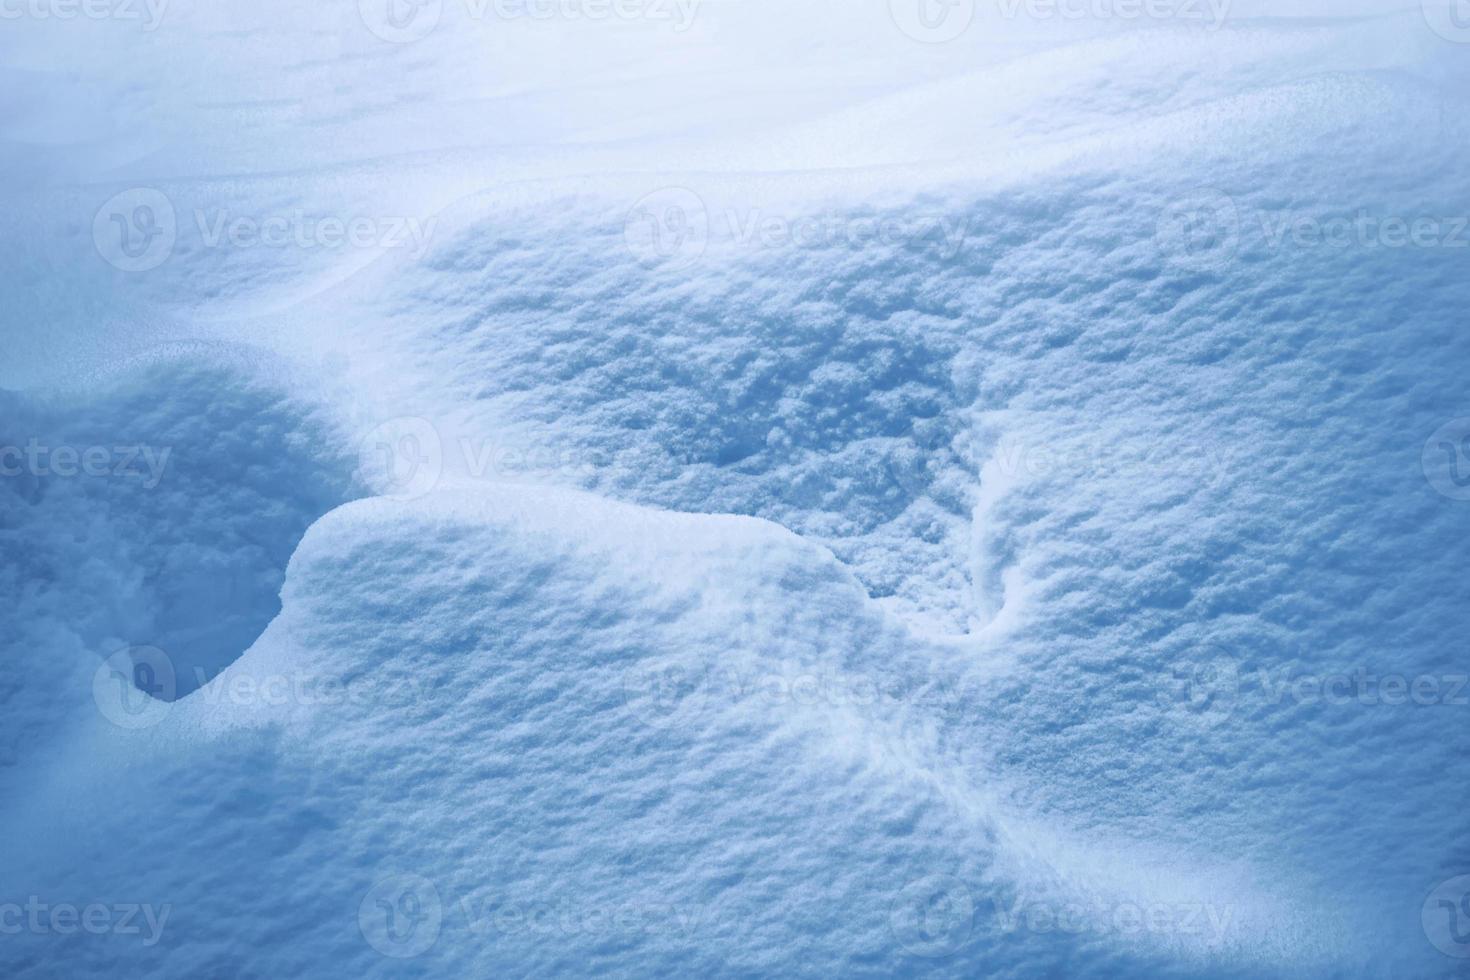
(163, 503)
(864, 508)
(538, 737)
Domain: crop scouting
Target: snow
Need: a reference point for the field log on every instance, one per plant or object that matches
(765, 497)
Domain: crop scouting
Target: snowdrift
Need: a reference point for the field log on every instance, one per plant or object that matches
(925, 508)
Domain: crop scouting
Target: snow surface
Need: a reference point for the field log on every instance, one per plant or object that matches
(589, 576)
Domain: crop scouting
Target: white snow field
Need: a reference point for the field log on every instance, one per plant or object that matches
(734, 488)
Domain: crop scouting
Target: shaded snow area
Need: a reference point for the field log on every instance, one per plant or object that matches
(735, 488)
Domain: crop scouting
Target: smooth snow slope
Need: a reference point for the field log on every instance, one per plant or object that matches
(772, 497)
